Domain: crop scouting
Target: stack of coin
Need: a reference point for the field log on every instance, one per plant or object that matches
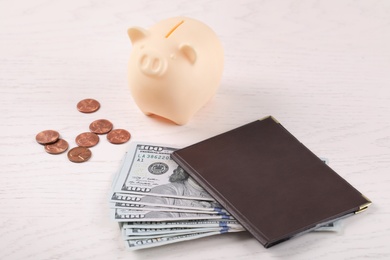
(54, 145)
(52, 142)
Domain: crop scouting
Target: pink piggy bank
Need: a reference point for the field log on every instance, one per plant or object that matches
(175, 67)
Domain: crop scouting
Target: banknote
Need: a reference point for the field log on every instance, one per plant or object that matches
(151, 237)
(126, 215)
(166, 202)
(135, 244)
(148, 169)
(131, 232)
(127, 236)
(145, 237)
(333, 227)
(130, 206)
(206, 223)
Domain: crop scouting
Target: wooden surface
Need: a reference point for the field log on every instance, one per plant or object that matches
(320, 67)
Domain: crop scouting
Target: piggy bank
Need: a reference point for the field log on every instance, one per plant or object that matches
(175, 67)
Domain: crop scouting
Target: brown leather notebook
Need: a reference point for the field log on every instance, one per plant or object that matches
(269, 181)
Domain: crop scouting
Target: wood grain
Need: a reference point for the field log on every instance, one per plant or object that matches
(320, 67)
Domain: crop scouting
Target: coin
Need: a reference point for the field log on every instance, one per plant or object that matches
(100, 126)
(88, 105)
(58, 147)
(47, 137)
(79, 154)
(118, 136)
(87, 139)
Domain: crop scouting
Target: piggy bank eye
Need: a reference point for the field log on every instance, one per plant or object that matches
(142, 46)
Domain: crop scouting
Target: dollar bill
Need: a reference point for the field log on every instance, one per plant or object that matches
(148, 169)
(335, 226)
(167, 202)
(126, 215)
(132, 232)
(144, 235)
(206, 223)
(135, 244)
(130, 206)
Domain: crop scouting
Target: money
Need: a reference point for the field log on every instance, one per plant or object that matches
(118, 136)
(166, 202)
(52, 142)
(149, 170)
(87, 139)
(54, 145)
(101, 126)
(134, 244)
(131, 206)
(79, 154)
(58, 147)
(128, 215)
(157, 203)
(206, 223)
(47, 137)
(88, 105)
(129, 233)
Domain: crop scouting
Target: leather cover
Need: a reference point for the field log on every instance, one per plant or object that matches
(269, 181)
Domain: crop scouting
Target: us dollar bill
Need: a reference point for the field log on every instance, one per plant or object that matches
(166, 202)
(130, 206)
(136, 232)
(135, 244)
(144, 237)
(206, 223)
(148, 169)
(126, 215)
(176, 232)
(332, 227)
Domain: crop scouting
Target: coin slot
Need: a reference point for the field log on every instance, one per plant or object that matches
(174, 28)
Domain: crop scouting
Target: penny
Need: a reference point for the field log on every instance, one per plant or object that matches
(47, 137)
(87, 139)
(88, 105)
(79, 154)
(58, 147)
(118, 136)
(101, 126)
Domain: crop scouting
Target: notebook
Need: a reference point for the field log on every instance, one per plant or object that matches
(269, 181)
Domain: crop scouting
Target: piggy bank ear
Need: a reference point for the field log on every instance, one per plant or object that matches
(136, 34)
(189, 52)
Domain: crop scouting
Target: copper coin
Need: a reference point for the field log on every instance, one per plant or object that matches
(101, 126)
(47, 137)
(79, 154)
(87, 139)
(58, 147)
(118, 136)
(88, 105)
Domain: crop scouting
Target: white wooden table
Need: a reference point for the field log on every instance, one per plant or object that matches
(322, 68)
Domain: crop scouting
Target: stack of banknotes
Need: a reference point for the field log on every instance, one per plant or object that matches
(156, 203)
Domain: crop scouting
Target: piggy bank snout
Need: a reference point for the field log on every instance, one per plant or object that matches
(152, 64)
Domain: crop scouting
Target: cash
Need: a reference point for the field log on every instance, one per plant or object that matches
(149, 170)
(156, 202)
